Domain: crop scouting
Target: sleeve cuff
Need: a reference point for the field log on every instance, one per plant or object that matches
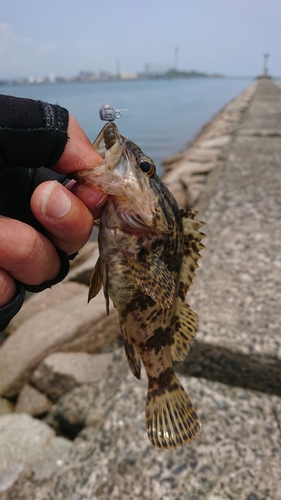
(62, 274)
(10, 310)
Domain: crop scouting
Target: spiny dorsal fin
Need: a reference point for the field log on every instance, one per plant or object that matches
(133, 357)
(153, 276)
(186, 324)
(171, 419)
(192, 247)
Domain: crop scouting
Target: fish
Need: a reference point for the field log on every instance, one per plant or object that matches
(148, 253)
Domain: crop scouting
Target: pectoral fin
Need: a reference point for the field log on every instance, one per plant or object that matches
(153, 276)
(99, 279)
(96, 281)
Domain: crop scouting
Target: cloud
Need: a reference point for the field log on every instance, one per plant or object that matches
(22, 56)
(12, 48)
(6, 37)
(47, 48)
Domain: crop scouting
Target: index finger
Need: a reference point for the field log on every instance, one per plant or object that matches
(92, 197)
(79, 153)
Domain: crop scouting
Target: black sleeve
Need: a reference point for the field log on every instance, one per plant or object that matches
(32, 137)
(32, 133)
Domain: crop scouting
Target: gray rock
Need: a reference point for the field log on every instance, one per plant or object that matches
(203, 155)
(55, 456)
(72, 325)
(86, 405)
(82, 268)
(22, 438)
(28, 445)
(186, 169)
(62, 371)
(6, 406)
(70, 415)
(194, 190)
(215, 142)
(32, 402)
(172, 159)
(42, 301)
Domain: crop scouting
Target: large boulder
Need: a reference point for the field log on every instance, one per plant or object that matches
(62, 371)
(71, 325)
(32, 401)
(28, 446)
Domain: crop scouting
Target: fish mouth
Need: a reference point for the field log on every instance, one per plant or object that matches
(137, 218)
(135, 222)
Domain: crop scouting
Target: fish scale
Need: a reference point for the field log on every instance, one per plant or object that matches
(149, 250)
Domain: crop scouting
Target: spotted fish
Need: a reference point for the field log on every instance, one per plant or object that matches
(149, 250)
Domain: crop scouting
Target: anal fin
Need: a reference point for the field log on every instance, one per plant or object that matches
(133, 357)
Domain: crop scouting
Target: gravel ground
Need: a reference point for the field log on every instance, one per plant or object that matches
(225, 461)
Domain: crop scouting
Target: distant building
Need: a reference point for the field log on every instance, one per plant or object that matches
(87, 76)
(129, 76)
(155, 68)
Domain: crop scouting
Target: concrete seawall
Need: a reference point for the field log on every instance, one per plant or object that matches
(192, 173)
(231, 172)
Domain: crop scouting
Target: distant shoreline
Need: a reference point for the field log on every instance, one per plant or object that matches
(89, 77)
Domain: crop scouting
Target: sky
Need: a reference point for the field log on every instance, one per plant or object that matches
(63, 37)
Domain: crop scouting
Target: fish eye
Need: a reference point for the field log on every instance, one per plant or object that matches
(147, 168)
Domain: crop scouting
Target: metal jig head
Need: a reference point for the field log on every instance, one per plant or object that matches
(108, 113)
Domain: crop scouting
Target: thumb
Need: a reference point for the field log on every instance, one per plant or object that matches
(68, 221)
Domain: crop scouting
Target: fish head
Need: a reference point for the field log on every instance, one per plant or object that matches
(128, 176)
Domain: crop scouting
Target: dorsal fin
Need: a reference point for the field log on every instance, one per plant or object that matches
(186, 321)
(192, 247)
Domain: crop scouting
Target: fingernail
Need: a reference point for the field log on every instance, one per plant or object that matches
(100, 203)
(55, 203)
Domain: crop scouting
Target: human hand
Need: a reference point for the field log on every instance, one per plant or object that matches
(67, 213)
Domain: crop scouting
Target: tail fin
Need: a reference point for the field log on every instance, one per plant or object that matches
(171, 419)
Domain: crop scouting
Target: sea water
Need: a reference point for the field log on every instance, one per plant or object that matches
(162, 116)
